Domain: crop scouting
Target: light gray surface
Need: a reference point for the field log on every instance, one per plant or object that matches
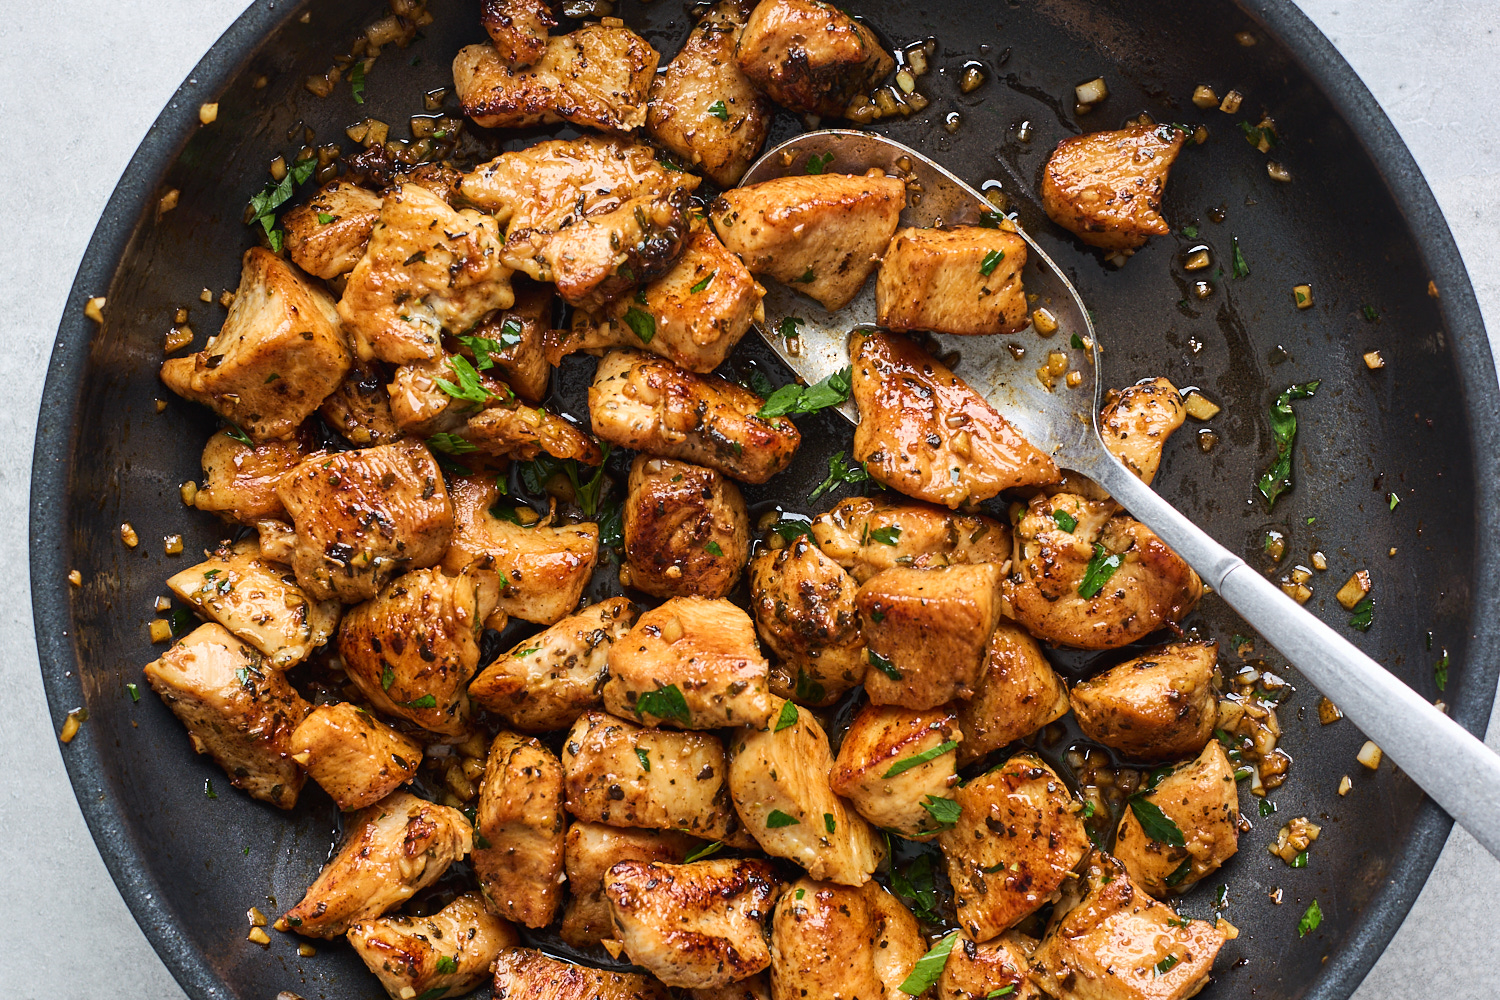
(103, 70)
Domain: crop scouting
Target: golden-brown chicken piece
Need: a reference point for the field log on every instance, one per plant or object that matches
(353, 756)
(413, 649)
(390, 852)
(236, 708)
(1120, 944)
(805, 612)
(278, 355)
(867, 535)
(894, 763)
(278, 541)
(518, 831)
(360, 410)
(648, 404)
(686, 530)
(447, 953)
(925, 432)
(515, 340)
(523, 974)
(239, 480)
(779, 777)
(836, 943)
(960, 280)
(364, 516)
(258, 602)
(428, 269)
(604, 760)
(1138, 422)
(818, 233)
(694, 925)
(995, 968)
(1106, 187)
(693, 663)
(810, 56)
(1013, 846)
(1202, 800)
(1017, 694)
(510, 429)
(757, 987)
(703, 107)
(419, 405)
(327, 236)
(519, 29)
(1159, 706)
(926, 630)
(591, 849)
(546, 681)
(1102, 582)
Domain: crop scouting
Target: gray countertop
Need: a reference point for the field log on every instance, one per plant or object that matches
(77, 101)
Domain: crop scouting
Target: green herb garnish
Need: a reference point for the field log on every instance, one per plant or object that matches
(817, 163)
(1439, 672)
(883, 665)
(792, 398)
(1097, 573)
(357, 81)
(1310, 920)
(664, 703)
(840, 472)
(787, 718)
(991, 261)
(469, 388)
(929, 967)
(641, 323)
(1364, 615)
(1278, 478)
(1065, 521)
(719, 111)
(707, 850)
(828, 822)
(1166, 965)
(446, 966)
(917, 760)
(426, 701)
(792, 530)
(887, 536)
(1155, 824)
(713, 549)
(776, 819)
(644, 758)
(1238, 267)
(450, 444)
(701, 285)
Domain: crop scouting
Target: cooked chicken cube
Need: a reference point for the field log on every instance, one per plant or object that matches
(604, 761)
(390, 852)
(818, 233)
(327, 236)
(686, 530)
(239, 480)
(278, 355)
(1120, 944)
(360, 410)
(694, 925)
(961, 280)
(757, 987)
(591, 850)
(831, 941)
(926, 630)
(428, 269)
(779, 777)
(543, 569)
(805, 612)
(236, 708)
(364, 516)
(353, 756)
(1160, 706)
(866, 536)
(925, 432)
(259, 603)
(1138, 422)
(518, 831)
(548, 680)
(1016, 841)
(413, 649)
(278, 541)
(421, 407)
(1017, 694)
(995, 968)
(510, 429)
(894, 763)
(1202, 800)
(1102, 583)
(811, 56)
(523, 974)
(703, 106)
(648, 404)
(1106, 187)
(519, 30)
(692, 662)
(445, 954)
(515, 340)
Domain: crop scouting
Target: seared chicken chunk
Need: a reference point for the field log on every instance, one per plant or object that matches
(1202, 800)
(692, 662)
(995, 968)
(390, 852)
(413, 649)
(961, 280)
(512, 430)
(926, 630)
(686, 530)
(278, 541)
(239, 480)
(925, 432)
(836, 943)
(1138, 422)
(518, 28)
(1016, 841)
(523, 974)
(694, 925)
(810, 56)
(548, 680)
(1017, 694)
(515, 340)
(236, 708)
(1160, 706)
(420, 407)
(353, 756)
(360, 410)
(805, 612)
(1106, 187)
(819, 233)
(450, 951)
(327, 236)
(518, 831)
(278, 355)
(1120, 944)
(648, 404)
(591, 850)
(604, 761)
(1052, 592)
(894, 763)
(364, 516)
(866, 536)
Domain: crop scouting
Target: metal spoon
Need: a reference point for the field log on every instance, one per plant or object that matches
(1457, 770)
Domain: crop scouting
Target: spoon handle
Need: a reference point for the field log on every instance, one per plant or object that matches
(1449, 763)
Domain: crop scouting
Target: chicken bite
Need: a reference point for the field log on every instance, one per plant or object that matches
(353, 756)
(1160, 706)
(359, 410)
(834, 941)
(1106, 187)
(686, 530)
(1136, 424)
(523, 974)
(328, 235)
(447, 953)
(518, 831)
(985, 971)
(804, 609)
(961, 280)
(810, 56)
(591, 850)
(894, 763)
(868, 535)
(1201, 799)
(507, 429)
(1017, 694)
(518, 29)
(515, 340)
(239, 479)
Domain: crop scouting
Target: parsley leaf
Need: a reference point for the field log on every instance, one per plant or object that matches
(644, 758)
(264, 205)
(469, 388)
(989, 220)
(234, 433)
(1239, 268)
(1155, 824)
(991, 261)
(324, 219)
(642, 323)
(929, 967)
(1310, 920)
(791, 530)
(840, 472)
(1181, 872)
(707, 850)
(1278, 478)
(701, 285)
(793, 398)
(484, 348)
(357, 87)
(887, 536)
(450, 444)
(713, 549)
(808, 688)
(829, 823)
(776, 819)
(1166, 965)
(446, 965)
(882, 664)
(664, 703)
(1191, 232)
(817, 163)
(915, 883)
(1097, 573)
(1065, 521)
(387, 676)
(1439, 672)
(135, 692)
(1371, 313)
(719, 111)
(787, 718)
(1364, 614)
(426, 701)
(917, 760)
(788, 327)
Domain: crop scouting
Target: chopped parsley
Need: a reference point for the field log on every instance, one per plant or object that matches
(788, 327)
(1166, 965)
(828, 822)
(208, 788)
(915, 883)
(840, 472)
(1300, 861)
(1310, 920)
(357, 84)
(234, 433)
(446, 965)
(1278, 478)
(1155, 824)
(817, 163)
(644, 758)
(450, 444)
(135, 692)
(426, 701)
(701, 285)
(991, 261)
(1371, 313)
(641, 323)
(324, 218)
(484, 348)
(808, 688)
(1097, 573)
(264, 205)
(929, 967)
(788, 716)
(807, 277)
(1439, 674)
(1191, 232)
(1179, 873)
(917, 760)
(989, 220)
(791, 530)
(713, 549)
(776, 819)
(387, 676)
(1065, 521)
(664, 703)
(793, 398)
(707, 850)
(1003, 991)
(1238, 267)
(883, 665)
(1267, 807)
(887, 536)
(1392, 500)
(719, 111)
(1364, 614)
(469, 388)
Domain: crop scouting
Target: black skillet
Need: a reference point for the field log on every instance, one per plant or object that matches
(1357, 223)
